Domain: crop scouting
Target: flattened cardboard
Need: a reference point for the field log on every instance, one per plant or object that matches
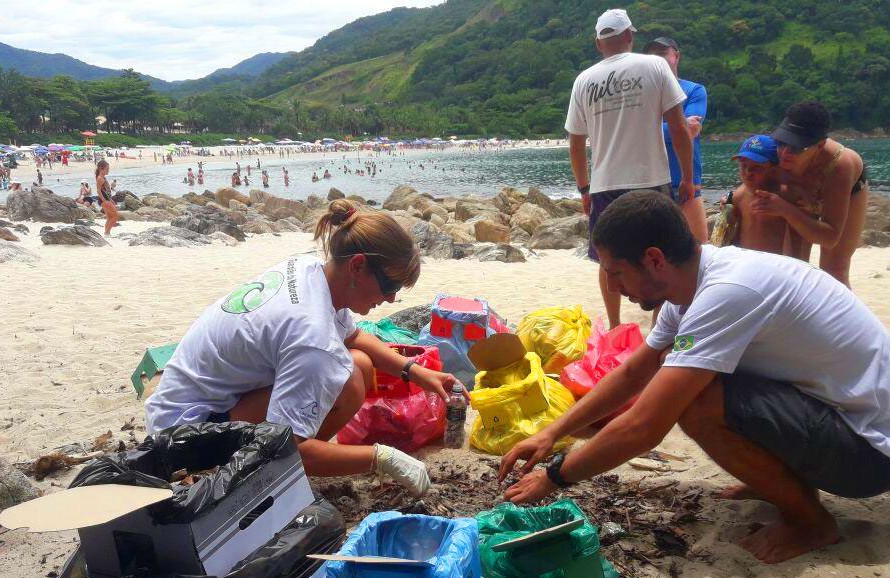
(81, 507)
(370, 560)
(540, 536)
(499, 350)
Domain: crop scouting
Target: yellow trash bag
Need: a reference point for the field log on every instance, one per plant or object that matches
(557, 334)
(515, 403)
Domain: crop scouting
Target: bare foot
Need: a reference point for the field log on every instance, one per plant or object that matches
(739, 492)
(784, 540)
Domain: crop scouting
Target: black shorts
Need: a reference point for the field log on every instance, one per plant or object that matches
(600, 201)
(806, 434)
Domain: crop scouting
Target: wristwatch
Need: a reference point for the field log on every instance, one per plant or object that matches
(553, 468)
(585, 189)
(405, 370)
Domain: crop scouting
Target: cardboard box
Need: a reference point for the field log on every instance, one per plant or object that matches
(212, 544)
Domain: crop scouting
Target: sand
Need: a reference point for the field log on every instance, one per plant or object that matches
(77, 322)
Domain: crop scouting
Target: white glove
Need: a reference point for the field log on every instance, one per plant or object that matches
(404, 469)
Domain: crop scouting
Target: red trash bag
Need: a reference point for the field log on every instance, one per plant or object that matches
(605, 352)
(399, 414)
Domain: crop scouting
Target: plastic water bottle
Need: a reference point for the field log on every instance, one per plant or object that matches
(724, 226)
(455, 417)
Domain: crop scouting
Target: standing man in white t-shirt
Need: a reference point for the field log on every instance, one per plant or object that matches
(619, 104)
(776, 369)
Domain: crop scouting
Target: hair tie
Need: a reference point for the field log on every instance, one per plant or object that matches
(342, 218)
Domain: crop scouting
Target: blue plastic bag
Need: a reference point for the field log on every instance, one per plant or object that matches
(455, 325)
(450, 545)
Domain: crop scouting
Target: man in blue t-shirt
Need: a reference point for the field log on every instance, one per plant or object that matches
(695, 108)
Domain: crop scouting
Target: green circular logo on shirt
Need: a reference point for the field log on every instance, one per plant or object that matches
(251, 296)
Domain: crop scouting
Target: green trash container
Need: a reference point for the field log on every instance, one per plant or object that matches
(570, 555)
(153, 362)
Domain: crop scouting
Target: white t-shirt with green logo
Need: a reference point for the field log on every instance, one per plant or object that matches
(618, 103)
(780, 318)
(280, 329)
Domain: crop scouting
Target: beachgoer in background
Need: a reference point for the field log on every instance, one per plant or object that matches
(246, 181)
(265, 179)
(190, 177)
(84, 197)
(200, 176)
(238, 168)
(284, 348)
(623, 124)
(15, 185)
(314, 177)
(39, 177)
(780, 373)
(326, 175)
(824, 195)
(695, 108)
(248, 170)
(258, 164)
(103, 191)
(286, 177)
(236, 180)
(758, 170)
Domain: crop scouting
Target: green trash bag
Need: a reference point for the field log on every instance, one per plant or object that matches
(507, 522)
(388, 332)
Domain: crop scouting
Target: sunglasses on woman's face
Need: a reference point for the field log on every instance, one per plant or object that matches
(387, 285)
(792, 149)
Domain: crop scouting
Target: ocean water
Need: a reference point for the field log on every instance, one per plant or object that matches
(455, 172)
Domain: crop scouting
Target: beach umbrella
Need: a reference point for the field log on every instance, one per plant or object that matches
(76, 148)
(229, 140)
(88, 133)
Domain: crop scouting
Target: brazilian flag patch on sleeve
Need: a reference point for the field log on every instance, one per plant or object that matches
(684, 342)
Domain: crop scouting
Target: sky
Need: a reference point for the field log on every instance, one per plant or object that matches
(177, 40)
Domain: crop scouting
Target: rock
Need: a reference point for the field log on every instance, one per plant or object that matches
(257, 227)
(489, 232)
(42, 205)
(168, 236)
(154, 214)
(562, 233)
(432, 241)
(873, 238)
(536, 197)
(467, 209)
(335, 194)
(222, 237)
(131, 216)
(509, 200)
(20, 228)
(401, 198)
(434, 209)
(877, 215)
(131, 202)
(436, 220)
(519, 235)
(206, 220)
(316, 202)
(194, 199)
(237, 206)
(502, 252)
(15, 488)
(73, 235)
(12, 252)
(310, 219)
(226, 194)
(529, 217)
(85, 222)
(162, 201)
(412, 318)
(7, 235)
(461, 232)
(358, 200)
(45, 230)
(258, 196)
(285, 226)
(237, 217)
(571, 205)
(372, 203)
(277, 208)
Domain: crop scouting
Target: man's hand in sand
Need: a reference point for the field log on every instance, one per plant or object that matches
(532, 450)
(533, 487)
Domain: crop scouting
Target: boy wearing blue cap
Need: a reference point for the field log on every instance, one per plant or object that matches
(759, 171)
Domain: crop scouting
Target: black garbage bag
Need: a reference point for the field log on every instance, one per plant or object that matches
(238, 448)
(318, 529)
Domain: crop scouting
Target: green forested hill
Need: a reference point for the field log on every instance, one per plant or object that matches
(505, 68)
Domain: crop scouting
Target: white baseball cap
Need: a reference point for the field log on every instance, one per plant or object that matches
(614, 21)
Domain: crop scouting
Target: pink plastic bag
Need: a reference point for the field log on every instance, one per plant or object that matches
(605, 352)
(399, 414)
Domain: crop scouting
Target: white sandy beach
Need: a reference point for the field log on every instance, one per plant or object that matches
(77, 322)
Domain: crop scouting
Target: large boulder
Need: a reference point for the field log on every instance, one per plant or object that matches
(169, 236)
(15, 488)
(42, 205)
(335, 194)
(237, 206)
(154, 214)
(237, 217)
(131, 202)
(432, 241)
(277, 208)
(357, 199)
(131, 216)
(206, 220)
(73, 235)
(316, 202)
(536, 197)
(12, 252)
(529, 217)
(875, 238)
(7, 235)
(257, 227)
(491, 232)
(562, 233)
(403, 198)
(878, 213)
(259, 196)
(196, 199)
(162, 201)
(571, 205)
(226, 194)
(502, 252)
(413, 318)
(519, 235)
(460, 232)
(468, 209)
(509, 200)
(433, 209)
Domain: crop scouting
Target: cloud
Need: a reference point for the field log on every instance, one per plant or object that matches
(175, 40)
